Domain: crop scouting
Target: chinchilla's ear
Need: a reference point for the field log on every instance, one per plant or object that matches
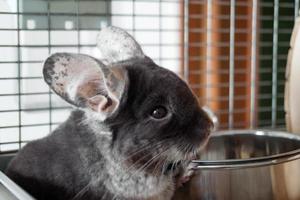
(117, 45)
(85, 82)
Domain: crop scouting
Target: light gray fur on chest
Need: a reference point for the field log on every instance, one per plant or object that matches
(123, 181)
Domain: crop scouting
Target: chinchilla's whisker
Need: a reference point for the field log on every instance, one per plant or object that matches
(162, 169)
(104, 195)
(152, 160)
(81, 192)
(159, 171)
(156, 171)
(84, 190)
(114, 197)
(148, 146)
(157, 157)
(134, 164)
(148, 154)
(175, 161)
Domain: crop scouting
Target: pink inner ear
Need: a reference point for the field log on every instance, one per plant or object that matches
(102, 104)
(98, 103)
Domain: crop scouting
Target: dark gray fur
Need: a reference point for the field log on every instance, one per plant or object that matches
(86, 158)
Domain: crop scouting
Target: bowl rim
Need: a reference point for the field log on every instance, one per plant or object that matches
(251, 162)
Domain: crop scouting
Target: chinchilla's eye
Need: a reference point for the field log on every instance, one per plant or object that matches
(159, 112)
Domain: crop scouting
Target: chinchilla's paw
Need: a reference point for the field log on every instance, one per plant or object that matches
(186, 175)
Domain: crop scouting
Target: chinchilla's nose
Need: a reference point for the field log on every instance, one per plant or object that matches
(202, 134)
(202, 126)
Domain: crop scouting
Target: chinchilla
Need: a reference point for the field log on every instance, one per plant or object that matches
(133, 131)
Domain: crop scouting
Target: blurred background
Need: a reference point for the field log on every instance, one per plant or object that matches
(233, 53)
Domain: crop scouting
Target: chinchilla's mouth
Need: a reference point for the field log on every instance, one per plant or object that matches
(172, 167)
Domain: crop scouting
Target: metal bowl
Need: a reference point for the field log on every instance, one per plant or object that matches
(247, 165)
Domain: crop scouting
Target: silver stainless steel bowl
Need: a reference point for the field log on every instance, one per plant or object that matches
(247, 165)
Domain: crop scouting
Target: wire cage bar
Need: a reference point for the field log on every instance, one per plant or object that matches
(232, 53)
(253, 64)
(231, 64)
(274, 63)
